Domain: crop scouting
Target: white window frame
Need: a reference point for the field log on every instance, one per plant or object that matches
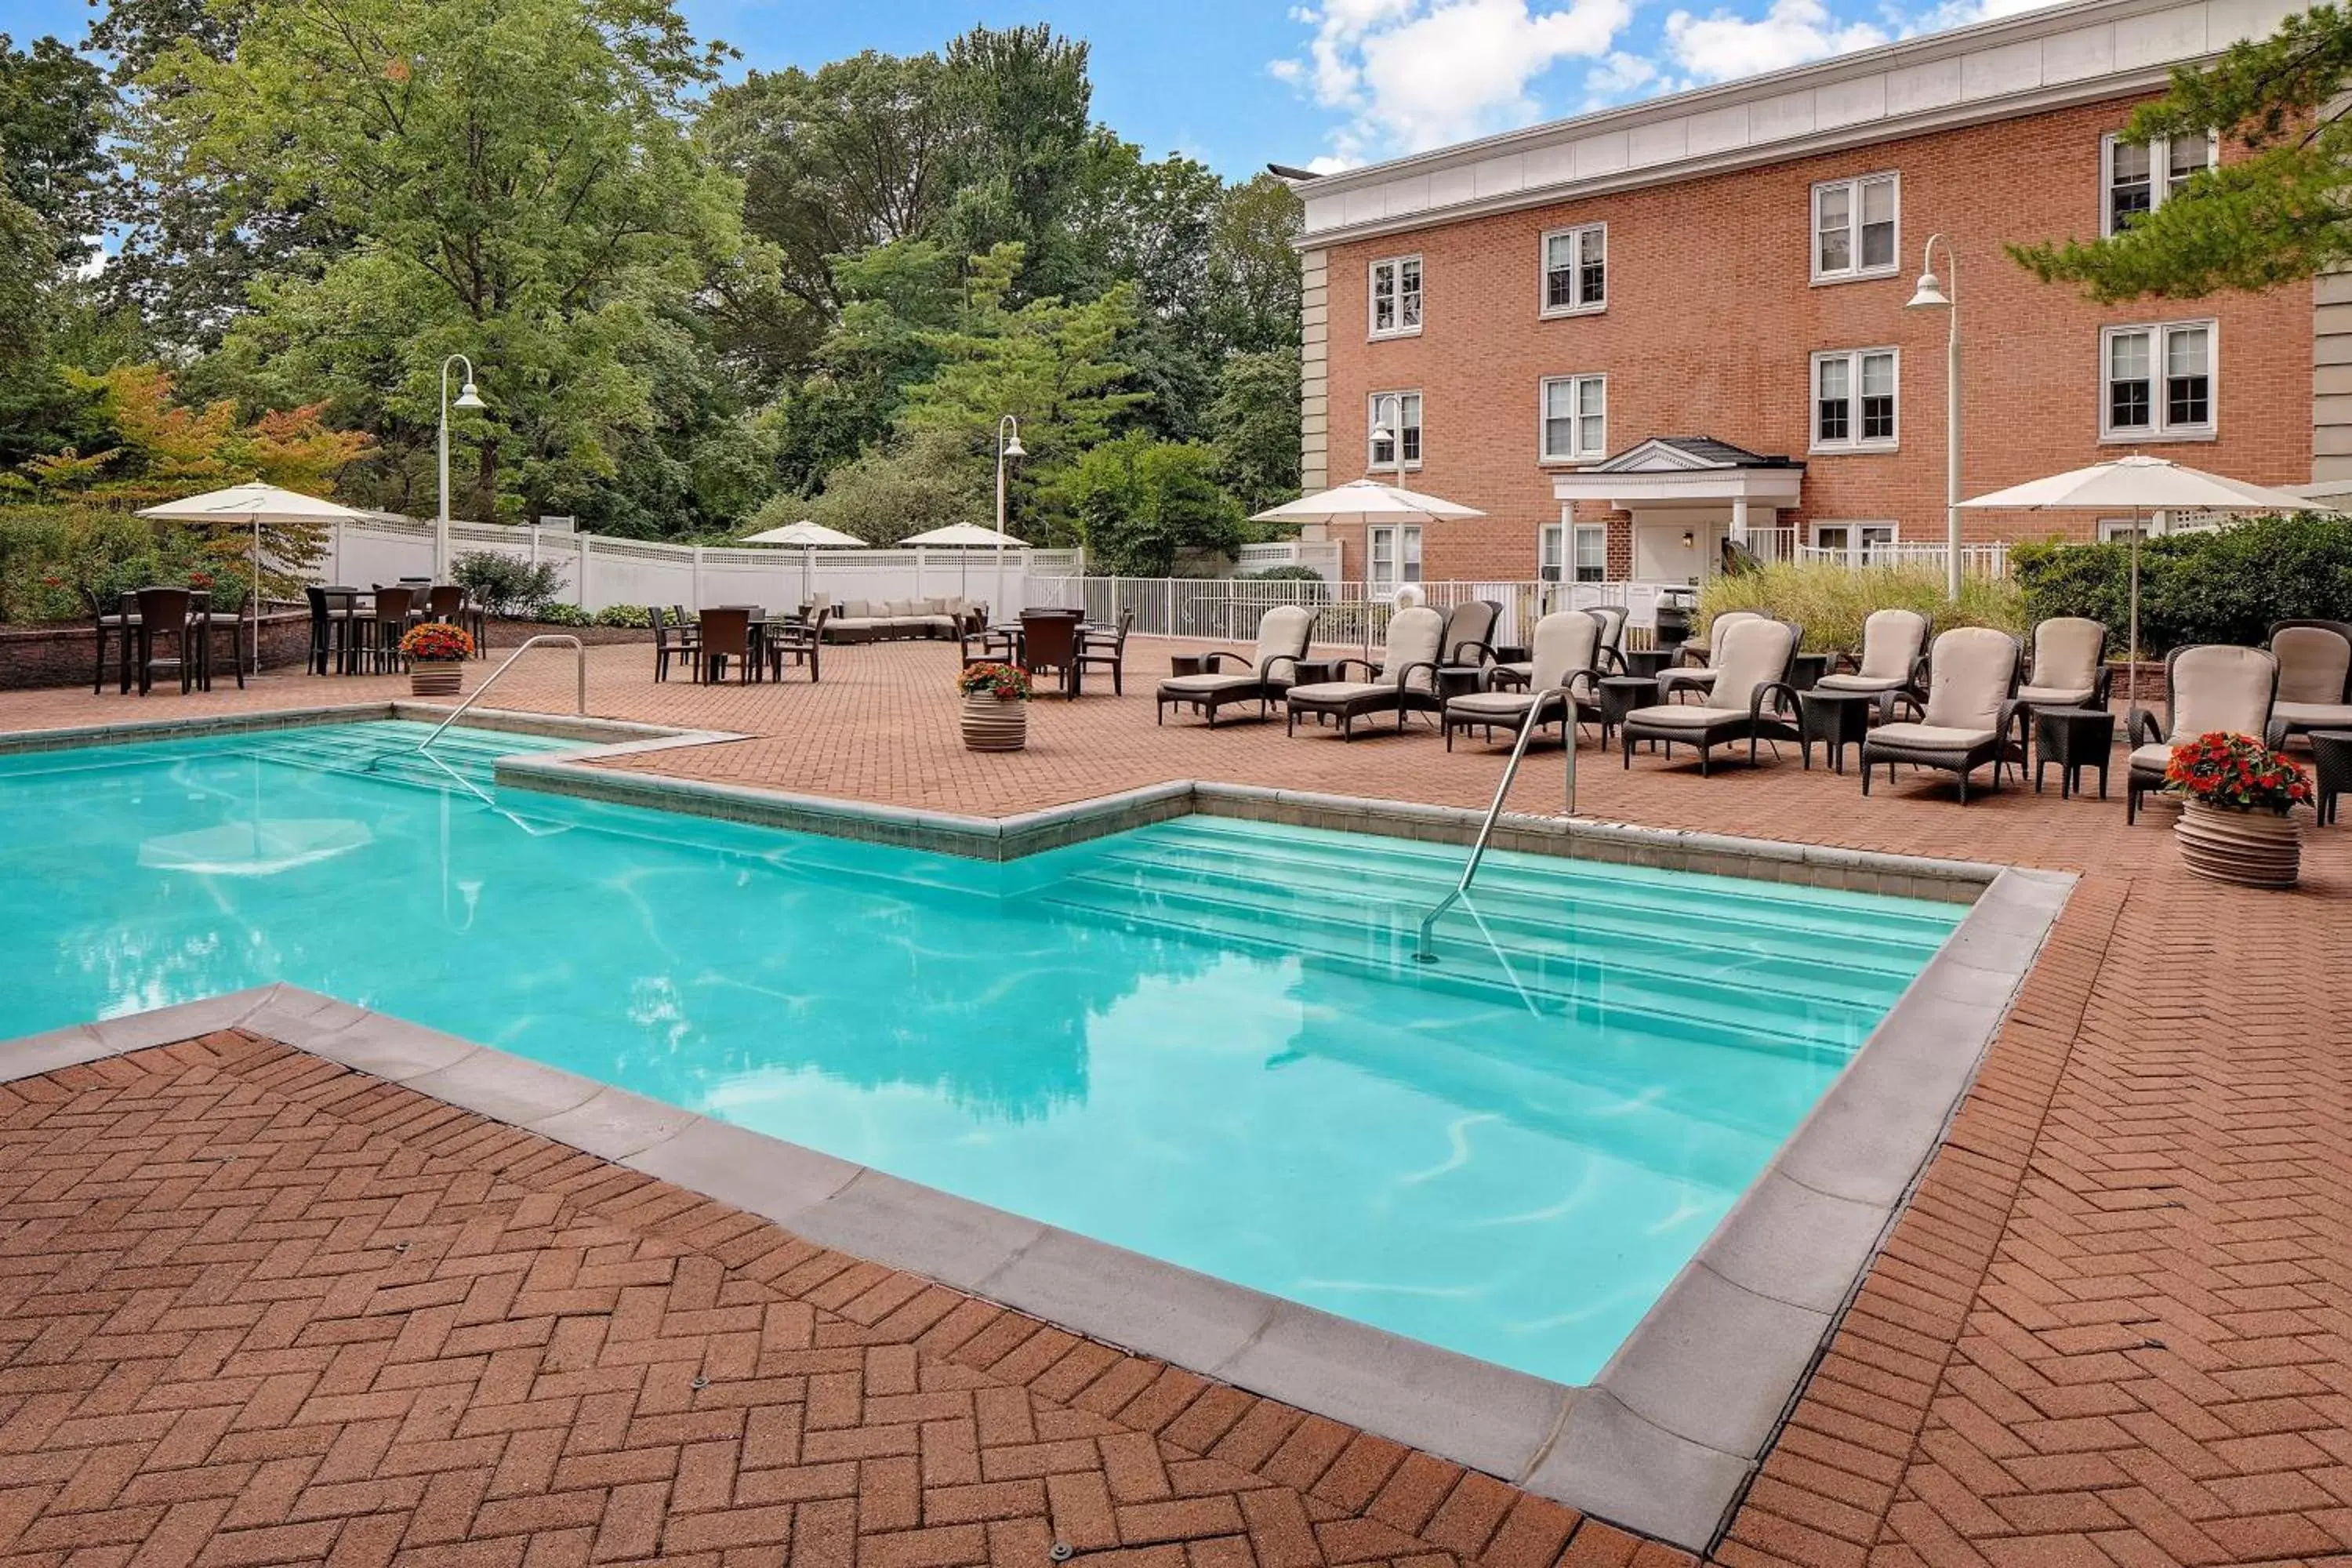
(1401, 329)
(1419, 446)
(2161, 426)
(2159, 173)
(1854, 442)
(1580, 305)
(1578, 534)
(1405, 555)
(1855, 270)
(1578, 452)
(1551, 552)
(1859, 550)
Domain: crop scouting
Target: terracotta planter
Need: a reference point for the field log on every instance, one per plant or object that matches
(435, 677)
(995, 724)
(2249, 848)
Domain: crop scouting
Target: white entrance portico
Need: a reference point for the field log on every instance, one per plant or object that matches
(1687, 494)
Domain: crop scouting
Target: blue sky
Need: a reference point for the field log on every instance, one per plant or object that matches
(1326, 83)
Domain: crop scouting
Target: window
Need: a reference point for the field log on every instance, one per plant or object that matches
(1591, 552)
(1854, 227)
(1396, 556)
(1576, 271)
(2138, 176)
(2115, 530)
(1591, 545)
(1391, 410)
(1550, 550)
(1396, 297)
(2158, 382)
(1861, 543)
(1575, 419)
(1854, 401)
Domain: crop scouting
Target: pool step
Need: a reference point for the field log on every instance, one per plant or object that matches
(388, 751)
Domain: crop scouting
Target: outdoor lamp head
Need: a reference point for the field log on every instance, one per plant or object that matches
(469, 398)
(1013, 449)
(1383, 433)
(1931, 295)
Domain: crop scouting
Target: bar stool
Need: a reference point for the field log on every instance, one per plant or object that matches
(164, 612)
(123, 626)
(387, 625)
(209, 624)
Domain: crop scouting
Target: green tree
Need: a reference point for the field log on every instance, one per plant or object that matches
(1255, 418)
(904, 487)
(1026, 100)
(1148, 508)
(2273, 215)
(53, 114)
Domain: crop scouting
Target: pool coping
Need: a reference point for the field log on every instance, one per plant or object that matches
(1666, 1438)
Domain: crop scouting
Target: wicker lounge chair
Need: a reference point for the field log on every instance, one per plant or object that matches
(2214, 687)
(1753, 661)
(2070, 665)
(1469, 634)
(1695, 663)
(1404, 682)
(1567, 649)
(1965, 722)
(1894, 659)
(2315, 680)
(1611, 654)
(1263, 674)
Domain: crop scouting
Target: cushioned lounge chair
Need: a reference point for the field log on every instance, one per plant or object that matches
(1611, 617)
(1894, 659)
(1695, 665)
(2315, 679)
(1754, 659)
(1560, 682)
(1469, 635)
(1405, 682)
(2208, 689)
(2070, 665)
(1258, 677)
(1970, 708)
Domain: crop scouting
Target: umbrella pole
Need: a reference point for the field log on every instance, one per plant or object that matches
(2131, 676)
(255, 611)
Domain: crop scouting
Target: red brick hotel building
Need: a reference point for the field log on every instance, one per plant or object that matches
(1614, 333)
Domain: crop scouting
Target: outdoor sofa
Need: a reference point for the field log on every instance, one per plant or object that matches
(881, 620)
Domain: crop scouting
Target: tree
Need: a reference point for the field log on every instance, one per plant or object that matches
(53, 112)
(2272, 215)
(1025, 97)
(890, 492)
(1255, 418)
(1147, 507)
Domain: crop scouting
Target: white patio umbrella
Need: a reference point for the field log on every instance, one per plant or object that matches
(810, 537)
(2140, 485)
(1367, 500)
(963, 536)
(253, 504)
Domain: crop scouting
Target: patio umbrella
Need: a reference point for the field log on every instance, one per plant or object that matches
(1367, 500)
(809, 536)
(2140, 485)
(253, 504)
(963, 536)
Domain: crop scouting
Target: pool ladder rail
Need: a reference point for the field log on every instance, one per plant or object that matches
(1423, 952)
(425, 747)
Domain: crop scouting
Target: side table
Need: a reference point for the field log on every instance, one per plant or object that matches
(1836, 719)
(2332, 750)
(1648, 660)
(1620, 695)
(2073, 738)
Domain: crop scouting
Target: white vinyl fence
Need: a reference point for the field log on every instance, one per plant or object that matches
(598, 571)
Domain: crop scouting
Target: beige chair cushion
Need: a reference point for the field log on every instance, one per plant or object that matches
(1753, 653)
(2066, 651)
(2152, 758)
(856, 609)
(1194, 685)
(1415, 638)
(1612, 623)
(1683, 715)
(2314, 715)
(2217, 686)
(1971, 674)
(1720, 625)
(820, 600)
(2056, 695)
(1566, 642)
(1282, 633)
(2312, 664)
(1891, 641)
(1868, 684)
(1473, 620)
(1525, 670)
(1502, 706)
(1338, 691)
(1930, 737)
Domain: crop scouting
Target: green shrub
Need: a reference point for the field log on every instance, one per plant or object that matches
(556, 612)
(633, 616)
(58, 561)
(1281, 574)
(1831, 602)
(2223, 586)
(502, 585)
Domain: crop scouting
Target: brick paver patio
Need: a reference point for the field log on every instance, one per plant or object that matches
(2114, 1327)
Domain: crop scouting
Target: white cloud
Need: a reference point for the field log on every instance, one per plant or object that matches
(1413, 74)
(1720, 46)
(1618, 78)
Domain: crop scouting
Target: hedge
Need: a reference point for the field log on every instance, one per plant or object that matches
(2223, 586)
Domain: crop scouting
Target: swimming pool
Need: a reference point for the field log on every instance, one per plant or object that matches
(1202, 1040)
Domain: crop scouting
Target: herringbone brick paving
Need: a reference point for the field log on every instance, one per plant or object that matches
(2115, 1326)
(255, 1308)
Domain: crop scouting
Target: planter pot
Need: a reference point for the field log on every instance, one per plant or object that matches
(2250, 848)
(995, 724)
(434, 677)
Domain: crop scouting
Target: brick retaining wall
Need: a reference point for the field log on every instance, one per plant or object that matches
(64, 656)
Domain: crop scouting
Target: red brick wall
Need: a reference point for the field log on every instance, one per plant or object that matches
(1713, 317)
(66, 656)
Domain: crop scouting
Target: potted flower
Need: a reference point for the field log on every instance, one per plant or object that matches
(2234, 826)
(436, 652)
(994, 718)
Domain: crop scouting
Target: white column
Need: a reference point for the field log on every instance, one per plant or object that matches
(1739, 520)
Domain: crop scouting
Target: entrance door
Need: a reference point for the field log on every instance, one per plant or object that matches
(1679, 546)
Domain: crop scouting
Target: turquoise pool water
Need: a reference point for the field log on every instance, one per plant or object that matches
(1203, 1040)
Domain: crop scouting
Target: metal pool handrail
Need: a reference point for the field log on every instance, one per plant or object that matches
(1422, 951)
(529, 643)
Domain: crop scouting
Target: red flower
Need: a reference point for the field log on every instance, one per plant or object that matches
(2235, 771)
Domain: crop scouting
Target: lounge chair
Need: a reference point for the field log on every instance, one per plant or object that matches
(1753, 659)
(1694, 664)
(1469, 635)
(1894, 660)
(2213, 687)
(2315, 680)
(2070, 665)
(1611, 653)
(1965, 722)
(1405, 682)
(1265, 673)
(1567, 648)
